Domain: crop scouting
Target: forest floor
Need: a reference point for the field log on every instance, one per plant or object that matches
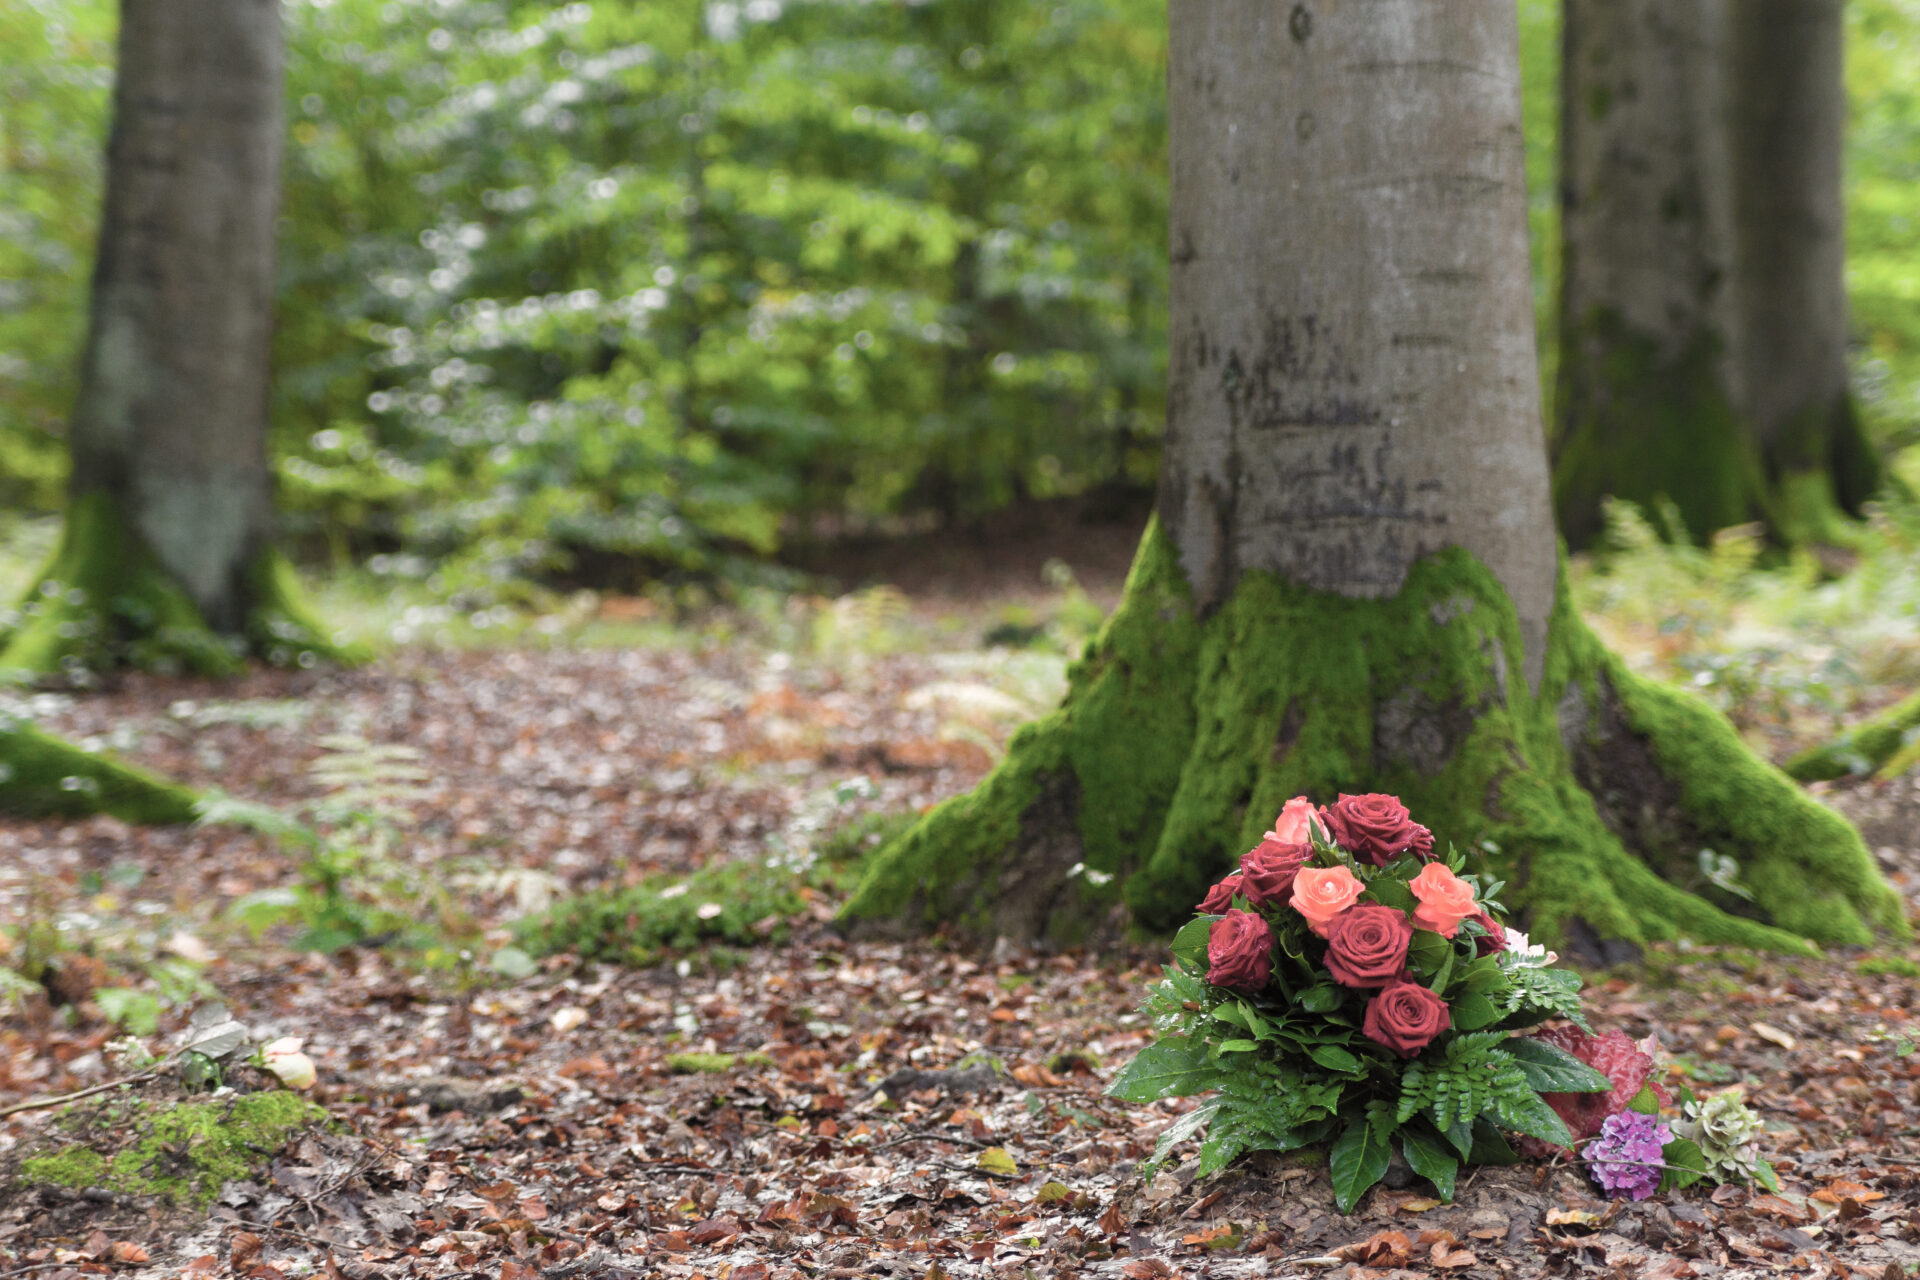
(809, 1107)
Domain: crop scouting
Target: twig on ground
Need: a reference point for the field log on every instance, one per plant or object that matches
(41, 1104)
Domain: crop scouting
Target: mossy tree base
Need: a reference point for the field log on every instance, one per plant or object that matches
(1886, 746)
(106, 602)
(41, 776)
(1181, 736)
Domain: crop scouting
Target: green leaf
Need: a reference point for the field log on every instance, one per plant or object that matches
(1764, 1175)
(136, 1011)
(1551, 1069)
(1526, 1113)
(1686, 1165)
(1490, 1146)
(1389, 892)
(512, 962)
(1445, 973)
(1428, 952)
(1171, 1068)
(1217, 1152)
(1233, 1014)
(1646, 1102)
(1472, 1012)
(1190, 944)
(1334, 1058)
(1430, 1158)
(1238, 1046)
(1321, 999)
(1461, 1136)
(1183, 1128)
(1356, 1162)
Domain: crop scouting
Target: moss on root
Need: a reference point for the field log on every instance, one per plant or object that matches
(1643, 429)
(41, 776)
(1181, 737)
(106, 602)
(1887, 745)
(183, 1152)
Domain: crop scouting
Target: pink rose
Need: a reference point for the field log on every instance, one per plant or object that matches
(1266, 873)
(1291, 827)
(1239, 952)
(1445, 899)
(1220, 897)
(1322, 893)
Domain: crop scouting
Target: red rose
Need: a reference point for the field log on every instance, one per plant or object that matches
(1375, 828)
(1405, 1016)
(1367, 946)
(1220, 897)
(1266, 873)
(1239, 952)
(1494, 941)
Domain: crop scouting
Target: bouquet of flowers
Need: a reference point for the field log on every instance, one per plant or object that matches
(1347, 985)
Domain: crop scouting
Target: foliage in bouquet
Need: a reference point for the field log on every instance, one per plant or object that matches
(1345, 985)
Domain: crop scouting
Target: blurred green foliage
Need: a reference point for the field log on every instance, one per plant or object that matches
(600, 291)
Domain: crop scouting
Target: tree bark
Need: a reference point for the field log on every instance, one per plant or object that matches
(166, 558)
(1786, 122)
(1646, 397)
(1353, 584)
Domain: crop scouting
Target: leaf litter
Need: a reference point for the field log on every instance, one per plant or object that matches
(816, 1108)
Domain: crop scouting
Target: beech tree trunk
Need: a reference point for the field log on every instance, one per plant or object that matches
(1352, 584)
(1648, 360)
(166, 558)
(1786, 122)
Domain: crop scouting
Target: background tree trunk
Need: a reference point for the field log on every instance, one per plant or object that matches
(1786, 120)
(1647, 360)
(1352, 584)
(166, 557)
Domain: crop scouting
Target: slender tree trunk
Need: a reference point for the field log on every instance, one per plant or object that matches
(1786, 121)
(1352, 584)
(166, 558)
(1647, 358)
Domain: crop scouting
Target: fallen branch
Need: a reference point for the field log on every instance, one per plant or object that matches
(41, 1104)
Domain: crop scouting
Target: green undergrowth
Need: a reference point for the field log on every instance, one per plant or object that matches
(183, 1152)
(41, 776)
(725, 904)
(1181, 737)
(693, 1064)
(104, 602)
(1885, 745)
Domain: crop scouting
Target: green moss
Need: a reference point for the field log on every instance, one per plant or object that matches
(41, 776)
(691, 1064)
(1181, 737)
(185, 1152)
(1892, 966)
(1644, 429)
(641, 924)
(1884, 743)
(105, 602)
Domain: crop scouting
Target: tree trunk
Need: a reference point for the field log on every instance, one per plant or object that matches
(1352, 585)
(1647, 357)
(41, 776)
(166, 558)
(1786, 121)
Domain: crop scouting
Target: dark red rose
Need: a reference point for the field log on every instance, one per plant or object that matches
(1266, 872)
(1239, 952)
(1494, 941)
(1367, 946)
(1405, 1017)
(1375, 828)
(1614, 1056)
(1220, 897)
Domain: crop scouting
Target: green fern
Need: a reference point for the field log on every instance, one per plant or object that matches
(1474, 1075)
(1540, 994)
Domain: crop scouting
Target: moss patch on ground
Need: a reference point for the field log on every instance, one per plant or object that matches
(1182, 736)
(105, 602)
(182, 1152)
(1887, 745)
(41, 776)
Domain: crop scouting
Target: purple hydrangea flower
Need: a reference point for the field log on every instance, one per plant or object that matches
(1626, 1158)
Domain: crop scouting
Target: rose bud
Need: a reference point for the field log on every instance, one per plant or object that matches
(284, 1059)
(1291, 827)
(1445, 899)
(1367, 947)
(1239, 952)
(1405, 1017)
(1494, 941)
(1374, 828)
(1220, 897)
(1321, 893)
(1267, 872)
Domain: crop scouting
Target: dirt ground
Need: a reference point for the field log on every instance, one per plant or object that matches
(888, 1110)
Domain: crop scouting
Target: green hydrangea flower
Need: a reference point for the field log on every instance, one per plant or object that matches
(1727, 1132)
